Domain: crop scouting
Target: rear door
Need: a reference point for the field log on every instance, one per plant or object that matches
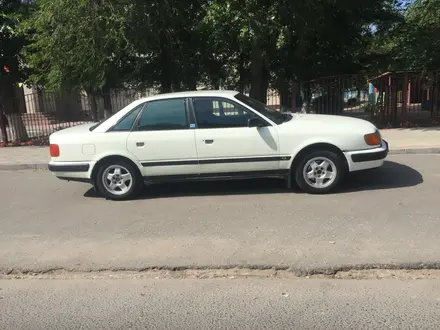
(163, 141)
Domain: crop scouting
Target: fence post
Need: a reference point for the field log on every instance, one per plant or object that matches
(393, 95)
(405, 90)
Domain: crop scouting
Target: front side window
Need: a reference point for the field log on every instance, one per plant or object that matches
(163, 115)
(219, 113)
(126, 123)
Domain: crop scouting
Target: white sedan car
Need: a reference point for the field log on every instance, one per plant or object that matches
(212, 135)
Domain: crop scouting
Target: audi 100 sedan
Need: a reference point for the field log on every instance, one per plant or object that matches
(213, 135)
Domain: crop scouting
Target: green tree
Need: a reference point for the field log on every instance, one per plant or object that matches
(11, 64)
(417, 40)
(97, 45)
(274, 42)
(78, 45)
(243, 37)
(168, 43)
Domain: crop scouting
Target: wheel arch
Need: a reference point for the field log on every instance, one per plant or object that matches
(318, 146)
(109, 159)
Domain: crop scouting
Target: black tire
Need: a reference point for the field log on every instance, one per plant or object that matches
(334, 160)
(136, 182)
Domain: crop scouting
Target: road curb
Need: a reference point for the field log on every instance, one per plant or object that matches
(414, 151)
(18, 167)
(44, 166)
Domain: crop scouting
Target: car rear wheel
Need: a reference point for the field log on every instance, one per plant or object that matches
(319, 172)
(118, 180)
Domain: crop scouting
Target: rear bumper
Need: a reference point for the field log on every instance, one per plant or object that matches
(72, 171)
(367, 159)
(69, 168)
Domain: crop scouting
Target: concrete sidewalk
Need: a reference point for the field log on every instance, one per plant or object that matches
(413, 140)
(401, 141)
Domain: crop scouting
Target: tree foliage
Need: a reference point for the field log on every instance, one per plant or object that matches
(77, 44)
(11, 45)
(416, 42)
(98, 45)
(12, 69)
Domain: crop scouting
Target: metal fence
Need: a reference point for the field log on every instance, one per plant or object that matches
(37, 115)
(398, 99)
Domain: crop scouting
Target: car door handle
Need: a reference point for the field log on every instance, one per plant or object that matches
(140, 144)
(209, 141)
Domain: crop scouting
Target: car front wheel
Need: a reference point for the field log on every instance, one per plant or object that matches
(118, 181)
(319, 172)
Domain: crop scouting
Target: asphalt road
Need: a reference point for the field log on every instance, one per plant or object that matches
(219, 304)
(390, 215)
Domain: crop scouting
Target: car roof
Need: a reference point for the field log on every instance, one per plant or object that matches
(213, 93)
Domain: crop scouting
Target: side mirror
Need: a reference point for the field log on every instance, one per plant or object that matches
(256, 122)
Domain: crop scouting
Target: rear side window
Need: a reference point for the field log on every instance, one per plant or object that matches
(163, 115)
(126, 123)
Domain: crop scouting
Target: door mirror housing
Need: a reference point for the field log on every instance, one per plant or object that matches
(256, 122)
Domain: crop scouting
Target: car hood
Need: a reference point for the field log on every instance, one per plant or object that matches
(332, 123)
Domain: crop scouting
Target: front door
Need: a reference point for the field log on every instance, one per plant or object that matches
(225, 143)
(163, 141)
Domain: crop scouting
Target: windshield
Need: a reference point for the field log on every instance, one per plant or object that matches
(272, 114)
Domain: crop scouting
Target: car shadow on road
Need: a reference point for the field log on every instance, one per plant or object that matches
(391, 175)
(210, 188)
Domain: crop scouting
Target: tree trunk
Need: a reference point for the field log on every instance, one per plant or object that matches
(67, 106)
(259, 75)
(265, 80)
(93, 105)
(165, 65)
(307, 99)
(100, 106)
(256, 73)
(17, 128)
(191, 82)
(11, 108)
(108, 108)
(284, 95)
(241, 71)
(435, 100)
(176, 85)
(216, 83)
(294, 92)
(192, 85)
(190, 73)
(3, 126)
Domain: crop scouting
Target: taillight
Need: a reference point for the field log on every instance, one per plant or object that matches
(54, 150)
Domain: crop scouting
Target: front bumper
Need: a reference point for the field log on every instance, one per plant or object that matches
(367, 159)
